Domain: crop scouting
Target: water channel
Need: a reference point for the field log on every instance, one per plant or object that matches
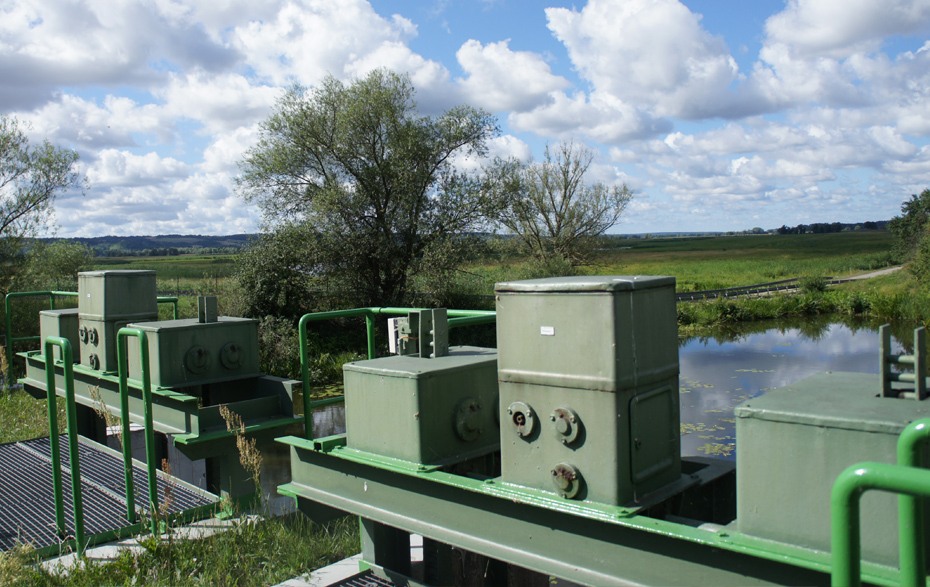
(717, 373)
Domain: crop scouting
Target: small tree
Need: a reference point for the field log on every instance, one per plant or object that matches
(552, 210)
(30, 179)
(909, 227)
(273, 275)
(54, 265)
(374, 180)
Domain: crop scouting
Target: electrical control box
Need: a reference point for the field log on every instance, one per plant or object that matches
(108, 301)
(588, 370)
(437, 410)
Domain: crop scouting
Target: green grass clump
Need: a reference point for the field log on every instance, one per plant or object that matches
(252, 553)
(23, 417)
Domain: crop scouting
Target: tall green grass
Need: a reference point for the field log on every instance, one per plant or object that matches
(251, 553)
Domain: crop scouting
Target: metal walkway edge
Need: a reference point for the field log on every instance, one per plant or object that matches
(27, 509)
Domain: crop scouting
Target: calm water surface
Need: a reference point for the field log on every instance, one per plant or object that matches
(718, 373)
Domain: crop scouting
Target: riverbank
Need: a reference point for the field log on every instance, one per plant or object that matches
(893, 297)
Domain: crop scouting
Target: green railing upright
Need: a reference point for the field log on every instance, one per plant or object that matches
(71, 412)
(123, 361)
(907, 479)
(458, 318)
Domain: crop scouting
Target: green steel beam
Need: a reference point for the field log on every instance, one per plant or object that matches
(592, 544)
(470, 513)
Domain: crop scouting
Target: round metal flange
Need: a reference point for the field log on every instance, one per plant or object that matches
(565, 424)
(468, 419)
(94, 337)
(522, 417)
(82, 334)
(230, 356)
(94, 362)
(196, 359)
(567, 480)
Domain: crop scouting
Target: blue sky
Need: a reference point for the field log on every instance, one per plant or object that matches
(721, 115)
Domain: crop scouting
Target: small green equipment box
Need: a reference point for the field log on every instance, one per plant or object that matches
(433, 411)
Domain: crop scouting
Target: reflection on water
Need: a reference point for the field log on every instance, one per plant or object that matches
(719, 372)
(276, 458)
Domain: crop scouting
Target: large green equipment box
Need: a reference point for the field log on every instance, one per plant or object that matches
(190, 352)
(434, 411)
(108, 301)
(588, 370)
(793, 442)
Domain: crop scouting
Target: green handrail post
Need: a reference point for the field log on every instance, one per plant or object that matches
(123, 362)
(170, 300)
(844, 511)
(462, 318)
(71, 412)
(911, 509)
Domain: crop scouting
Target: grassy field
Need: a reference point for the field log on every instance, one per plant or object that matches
(714, 263)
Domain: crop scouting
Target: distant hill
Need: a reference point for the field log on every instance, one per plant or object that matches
(109, 245)
(138, 243)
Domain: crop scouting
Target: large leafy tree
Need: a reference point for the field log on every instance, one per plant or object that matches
(31, 176)
(554, 212)
(374, 181)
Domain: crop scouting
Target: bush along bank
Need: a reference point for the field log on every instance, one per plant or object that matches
(910, 307)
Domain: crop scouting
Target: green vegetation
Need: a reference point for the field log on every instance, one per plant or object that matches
(368, 187)
(553, 212)
(31, 177)
(251, 553)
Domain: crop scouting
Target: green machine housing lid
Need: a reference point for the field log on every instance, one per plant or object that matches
(847, 401)
(584, 283)
(411, 367)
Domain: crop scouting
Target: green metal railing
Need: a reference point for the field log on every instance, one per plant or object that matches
(10, 339)
(71, 412)
(911, 534)
(907, 479)
(123, 362)
(458, 318)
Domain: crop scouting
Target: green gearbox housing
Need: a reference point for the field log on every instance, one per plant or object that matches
(433, 411)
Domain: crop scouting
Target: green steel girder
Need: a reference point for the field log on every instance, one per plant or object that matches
(591, 544)
(585, 542)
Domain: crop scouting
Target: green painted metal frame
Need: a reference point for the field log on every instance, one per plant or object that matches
(123, 362)
(70, 407)
(51, 298)
(911, 509)
(334, 464)
(458, 318)
(845, 527)
(81, 542)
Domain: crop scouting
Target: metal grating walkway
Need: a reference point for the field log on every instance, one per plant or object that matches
(364, 579)
(27, 508)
